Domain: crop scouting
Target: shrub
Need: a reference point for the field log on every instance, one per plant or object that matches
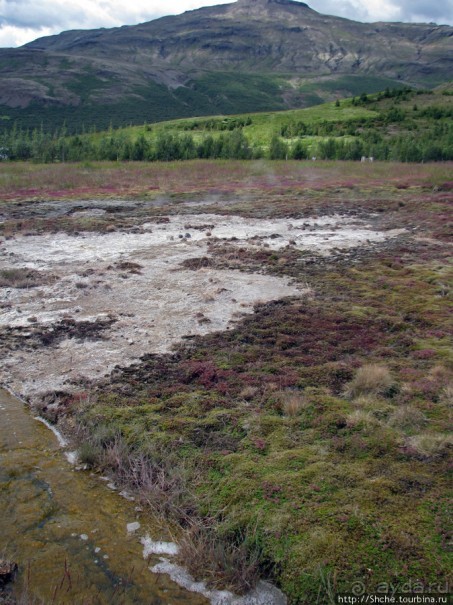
(371, 379)
(89, 454)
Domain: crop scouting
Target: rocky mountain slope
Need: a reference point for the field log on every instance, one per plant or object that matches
(250, 55)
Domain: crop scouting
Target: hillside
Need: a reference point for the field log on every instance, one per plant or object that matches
(396, 124)
(251, 55)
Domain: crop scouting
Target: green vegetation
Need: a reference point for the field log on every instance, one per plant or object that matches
(351, 85)
(151, 102)
(398, 125)
(243, 91)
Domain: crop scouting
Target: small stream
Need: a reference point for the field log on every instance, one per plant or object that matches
(67, 530)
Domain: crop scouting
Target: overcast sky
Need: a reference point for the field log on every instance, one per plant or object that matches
(24, 20)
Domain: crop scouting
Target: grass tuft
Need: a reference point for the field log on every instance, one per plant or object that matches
(362, 419)
(446, 395)
(407, 418)
(293, 403)
(248, 393)
(429, 446)
(371, 379)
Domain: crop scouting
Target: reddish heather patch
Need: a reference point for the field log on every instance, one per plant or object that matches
(424, 354)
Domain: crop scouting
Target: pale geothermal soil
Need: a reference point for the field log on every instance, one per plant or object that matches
(134, 283)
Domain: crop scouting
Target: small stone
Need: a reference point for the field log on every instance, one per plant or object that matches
(132, 527)
(125, 494)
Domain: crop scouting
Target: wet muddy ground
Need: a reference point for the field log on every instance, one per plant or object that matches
(76, 302)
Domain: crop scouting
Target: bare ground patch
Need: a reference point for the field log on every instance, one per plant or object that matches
(118, 295)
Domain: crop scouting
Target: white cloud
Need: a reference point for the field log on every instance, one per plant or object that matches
(426, 10)
(16, 36)
(24, 20)
(388, 10)
(372, 10)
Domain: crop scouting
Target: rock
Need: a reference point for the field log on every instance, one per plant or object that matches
(8, 570)
(132, 527)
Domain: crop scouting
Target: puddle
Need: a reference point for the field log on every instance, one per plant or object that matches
(53, 519)
(74, 539)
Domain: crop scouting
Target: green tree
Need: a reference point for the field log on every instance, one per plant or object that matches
(278, 150)
(327, 149)
(140, 149)
(299, 152)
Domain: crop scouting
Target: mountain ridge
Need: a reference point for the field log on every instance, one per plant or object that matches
(282, 54)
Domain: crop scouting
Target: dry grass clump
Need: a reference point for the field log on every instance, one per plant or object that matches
(430, 446)
(407, 418)
(363, 419)
(221, 563)
(365, 402)
(379, 408)
(446, 395)
(292, 403)
(440, 373)
(371, 379)
(158, 483)
(248, 393)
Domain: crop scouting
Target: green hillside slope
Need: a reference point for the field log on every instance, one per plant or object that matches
(397, 124)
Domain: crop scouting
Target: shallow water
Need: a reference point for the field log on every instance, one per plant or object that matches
(66, 529)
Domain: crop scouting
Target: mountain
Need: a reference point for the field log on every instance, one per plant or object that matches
(250, 55)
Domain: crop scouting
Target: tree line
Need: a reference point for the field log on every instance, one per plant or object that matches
(41, 146)
(435, 144)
